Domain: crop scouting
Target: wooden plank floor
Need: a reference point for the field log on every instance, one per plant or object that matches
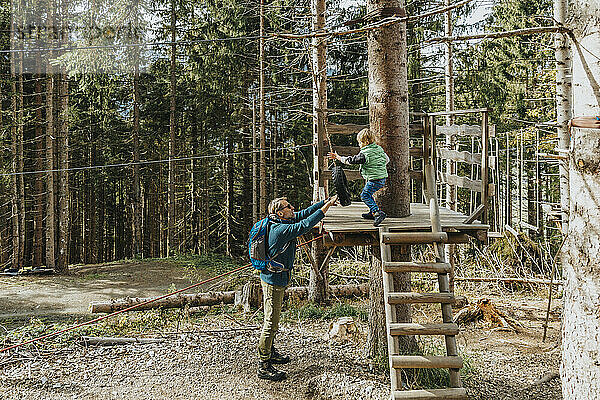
(348, 220)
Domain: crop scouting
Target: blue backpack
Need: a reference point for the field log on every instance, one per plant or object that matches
(258, 242)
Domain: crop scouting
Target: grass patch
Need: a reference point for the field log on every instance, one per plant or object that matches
(133, 324)
(427, 378)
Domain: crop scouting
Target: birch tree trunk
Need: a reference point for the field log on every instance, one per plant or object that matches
(580, 370)
(564, 98)
(388, 119)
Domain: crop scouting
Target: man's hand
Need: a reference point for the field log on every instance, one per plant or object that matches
(328, 203)
(333, 155)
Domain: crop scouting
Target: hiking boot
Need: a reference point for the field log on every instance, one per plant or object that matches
(368, 216)
(379, 218)
(277, 358)
(266, 371)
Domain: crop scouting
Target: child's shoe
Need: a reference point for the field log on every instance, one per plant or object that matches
(379, 217)
(368, 216)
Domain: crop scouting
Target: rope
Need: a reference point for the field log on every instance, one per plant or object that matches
(93, 321)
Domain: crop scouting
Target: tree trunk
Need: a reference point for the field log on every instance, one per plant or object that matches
(377, 337)
(388, 118)
(136, 201)
(38, 215)
(388, 107)
(15, 220)
(563, 105)
(63, 188)
(580, 372)
(50, 231)
(263, 138)
(20, 159)
(254, 164)
(63, 154)
(318, 286)
(451, 192)
(171, 246)
(228, 193)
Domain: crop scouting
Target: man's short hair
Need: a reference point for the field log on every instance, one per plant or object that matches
(276, 204)
(365, 137)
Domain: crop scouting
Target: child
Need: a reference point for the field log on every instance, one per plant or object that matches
(373, 161)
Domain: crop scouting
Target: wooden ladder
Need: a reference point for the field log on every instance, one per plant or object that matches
(391, 298)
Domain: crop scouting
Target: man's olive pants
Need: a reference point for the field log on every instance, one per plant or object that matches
(272, 301)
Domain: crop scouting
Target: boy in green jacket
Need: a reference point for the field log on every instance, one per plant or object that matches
(373, 162)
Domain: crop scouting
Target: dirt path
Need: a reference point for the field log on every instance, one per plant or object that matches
(28, 296)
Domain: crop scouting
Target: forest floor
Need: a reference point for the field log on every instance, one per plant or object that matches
(211, 353)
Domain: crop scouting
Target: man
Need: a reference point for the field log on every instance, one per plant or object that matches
(285, 226)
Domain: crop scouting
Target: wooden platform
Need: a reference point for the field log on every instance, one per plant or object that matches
(348, 228)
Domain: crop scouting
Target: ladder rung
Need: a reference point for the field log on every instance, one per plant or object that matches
(404, 329)
(427, 362)
(414, 237)
(410, 297)
(439, 394)
(399, 266)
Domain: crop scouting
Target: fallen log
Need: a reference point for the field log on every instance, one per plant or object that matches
(178, 301)
(217, 298)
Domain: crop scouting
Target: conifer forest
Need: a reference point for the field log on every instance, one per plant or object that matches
(141, 140)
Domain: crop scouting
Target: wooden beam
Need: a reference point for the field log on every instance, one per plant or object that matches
(414, 237)
(351, 174)
(459, 130)
(459, 112)
(418, 298)
(431, 394)
(476, 214)
(353, 150)
(427, 362)
(461, 181)
(409, 329)
(459, 156)
(340, 239)
(415, 129)
(402, 266)
(344, 129)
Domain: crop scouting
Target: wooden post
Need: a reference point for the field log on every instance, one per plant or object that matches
(485, 167)
(443, 280)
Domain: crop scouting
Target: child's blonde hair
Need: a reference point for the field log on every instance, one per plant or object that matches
(365, 137)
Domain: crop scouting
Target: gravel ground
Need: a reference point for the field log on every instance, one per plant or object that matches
(223, 366)
(215, 366)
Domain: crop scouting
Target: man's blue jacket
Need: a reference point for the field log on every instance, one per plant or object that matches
(283, 231)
